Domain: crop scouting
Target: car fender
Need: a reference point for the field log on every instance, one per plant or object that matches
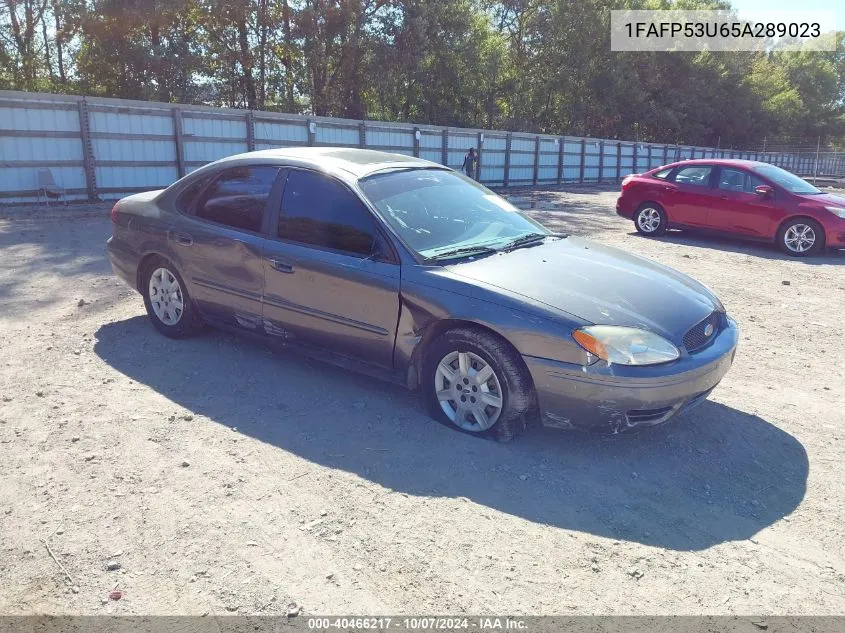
(154, 240)
(424, 313)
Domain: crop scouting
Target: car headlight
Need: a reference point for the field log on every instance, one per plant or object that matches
(837, 211)
(625, 345)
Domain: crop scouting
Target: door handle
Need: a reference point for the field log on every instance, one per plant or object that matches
(183, 239)
(281, 266)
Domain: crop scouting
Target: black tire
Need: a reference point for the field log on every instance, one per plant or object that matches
(188, 320)
(817, 232)
(508, 369)
(642, 226)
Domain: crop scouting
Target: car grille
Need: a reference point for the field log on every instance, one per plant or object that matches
(697, 336)
(643, 416)
(697, 399)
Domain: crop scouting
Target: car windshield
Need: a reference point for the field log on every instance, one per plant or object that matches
(788, 181)
(437, 212)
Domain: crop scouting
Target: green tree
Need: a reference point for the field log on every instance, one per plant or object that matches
(528, 65)
(139, 49)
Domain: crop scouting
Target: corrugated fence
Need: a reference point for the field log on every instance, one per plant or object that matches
(108, 148)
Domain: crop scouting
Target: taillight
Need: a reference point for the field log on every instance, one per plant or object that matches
(114, 212)
(627, 181)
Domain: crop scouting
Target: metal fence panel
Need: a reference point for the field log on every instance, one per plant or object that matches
(430, 139)
(289, 133)
(197, 125)
(19, 184)
(123, 181)
(432, 155)
(23, 118)
(208, 151)
(27, 149)
(494, 142)
(389, 139)
(107, 147)
(34, 138)
(125, 123)
(336, 135)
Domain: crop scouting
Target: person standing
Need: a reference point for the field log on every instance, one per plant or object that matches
(470, 166)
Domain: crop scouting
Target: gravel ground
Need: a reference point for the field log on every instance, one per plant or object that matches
(215, 476)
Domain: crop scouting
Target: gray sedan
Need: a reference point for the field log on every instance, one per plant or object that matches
(410, 271)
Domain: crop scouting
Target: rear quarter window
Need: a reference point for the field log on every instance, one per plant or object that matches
(238, 197)
(187, 198)
(663, 174)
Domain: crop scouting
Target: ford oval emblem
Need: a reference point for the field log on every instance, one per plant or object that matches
(708, 330)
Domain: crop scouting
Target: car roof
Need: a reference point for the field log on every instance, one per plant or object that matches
(736, 162)
(348, 163)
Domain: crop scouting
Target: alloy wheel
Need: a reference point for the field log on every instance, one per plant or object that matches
(649, 220)
(469, 391)
(166, 296)
(799, 238)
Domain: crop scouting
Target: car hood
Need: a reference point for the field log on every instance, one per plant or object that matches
(826, 198)
(596, 283)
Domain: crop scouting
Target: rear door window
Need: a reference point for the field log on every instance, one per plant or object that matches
(733, 180)
(738, 180)
(696, 175)
(238, 197)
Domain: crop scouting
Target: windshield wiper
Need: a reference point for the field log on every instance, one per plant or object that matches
(524, 240)
(477, 249)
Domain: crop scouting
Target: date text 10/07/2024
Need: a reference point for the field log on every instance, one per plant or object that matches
(417, 624)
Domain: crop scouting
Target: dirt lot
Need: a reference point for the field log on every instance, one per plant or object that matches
(223, 477)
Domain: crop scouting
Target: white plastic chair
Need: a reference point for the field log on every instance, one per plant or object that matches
(48, 188)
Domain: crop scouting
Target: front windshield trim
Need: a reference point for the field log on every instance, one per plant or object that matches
(468, 250)
(443, 249)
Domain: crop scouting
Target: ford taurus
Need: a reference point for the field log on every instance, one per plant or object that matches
(408, 270)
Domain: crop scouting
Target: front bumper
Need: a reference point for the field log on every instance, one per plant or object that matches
(834, 229)
(611, 399)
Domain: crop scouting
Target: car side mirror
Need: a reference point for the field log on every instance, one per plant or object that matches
(764, 190)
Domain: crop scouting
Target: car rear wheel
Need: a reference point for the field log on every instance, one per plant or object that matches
(801, 237)
(651, 219)
(476, 383)
(166, 298)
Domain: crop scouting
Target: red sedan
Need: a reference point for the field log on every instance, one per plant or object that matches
(735, 197)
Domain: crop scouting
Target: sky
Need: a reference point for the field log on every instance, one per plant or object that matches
(759, 9)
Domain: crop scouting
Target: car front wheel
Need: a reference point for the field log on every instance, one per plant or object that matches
(651, 219)
(476, 383)
(801, 237)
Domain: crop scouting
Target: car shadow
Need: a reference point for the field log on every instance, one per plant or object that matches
(746, 247)
(716, 474)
